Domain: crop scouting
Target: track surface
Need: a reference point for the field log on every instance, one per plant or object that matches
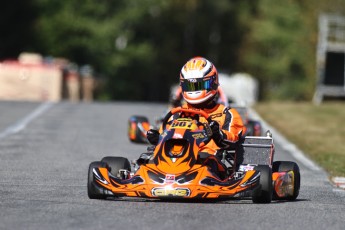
(43, 176)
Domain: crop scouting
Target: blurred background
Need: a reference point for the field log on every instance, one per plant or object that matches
(134, 50)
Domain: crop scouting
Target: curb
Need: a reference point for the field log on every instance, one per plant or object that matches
(339, 182)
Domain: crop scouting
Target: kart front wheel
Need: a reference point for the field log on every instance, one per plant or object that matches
(263, 194)
(93, 190)
(116, 163)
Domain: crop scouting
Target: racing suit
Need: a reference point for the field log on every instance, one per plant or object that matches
(230, 127)
(227, 127)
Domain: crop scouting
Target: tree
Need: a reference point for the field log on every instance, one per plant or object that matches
(139, 47)
(16, 24)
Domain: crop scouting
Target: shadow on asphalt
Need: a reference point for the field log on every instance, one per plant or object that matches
(197, 201)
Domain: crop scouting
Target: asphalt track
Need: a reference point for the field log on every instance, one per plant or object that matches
(45, 150)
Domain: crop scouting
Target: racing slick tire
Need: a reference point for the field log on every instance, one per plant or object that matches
(93, 191)
(283, 166)
(135, 134)
(264, 193)
(116, 163)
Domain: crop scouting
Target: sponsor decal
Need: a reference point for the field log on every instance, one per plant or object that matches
(198, 136)
(182, 124)
(177, 136)
(165, 191)
(215, 115)
(245, 168)
(169, 179)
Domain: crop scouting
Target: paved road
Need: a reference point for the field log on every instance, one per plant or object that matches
(43, 175)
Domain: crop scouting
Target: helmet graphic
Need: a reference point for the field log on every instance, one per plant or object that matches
(199, 81)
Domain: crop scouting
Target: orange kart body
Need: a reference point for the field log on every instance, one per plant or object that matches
(175, 169)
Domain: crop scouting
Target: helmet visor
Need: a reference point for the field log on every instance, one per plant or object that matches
(198, 84)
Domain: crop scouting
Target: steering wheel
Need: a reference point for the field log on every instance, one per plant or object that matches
(191, 111)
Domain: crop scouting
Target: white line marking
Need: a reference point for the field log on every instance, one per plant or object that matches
(21, 124)
(339, 190)
(287, 145)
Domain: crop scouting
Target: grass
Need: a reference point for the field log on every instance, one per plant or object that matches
(319, 131)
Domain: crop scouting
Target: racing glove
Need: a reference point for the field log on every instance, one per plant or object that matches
(217, 134)
(152, 136)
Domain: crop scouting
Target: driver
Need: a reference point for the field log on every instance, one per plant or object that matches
(200, 89)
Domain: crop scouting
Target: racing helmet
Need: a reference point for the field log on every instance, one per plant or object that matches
(199, 81)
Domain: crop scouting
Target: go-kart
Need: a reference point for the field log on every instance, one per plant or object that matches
(139, 125)
(137, 129)
(175, 169)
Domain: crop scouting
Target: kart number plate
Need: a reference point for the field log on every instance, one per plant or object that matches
(178, 192)
(183, 124)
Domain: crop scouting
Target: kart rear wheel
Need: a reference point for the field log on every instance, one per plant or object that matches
(93, 191)
(283, 166)
(116, 163)
(264, 193)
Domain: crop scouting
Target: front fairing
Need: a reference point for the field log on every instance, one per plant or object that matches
(198, 182)
(179, 145)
